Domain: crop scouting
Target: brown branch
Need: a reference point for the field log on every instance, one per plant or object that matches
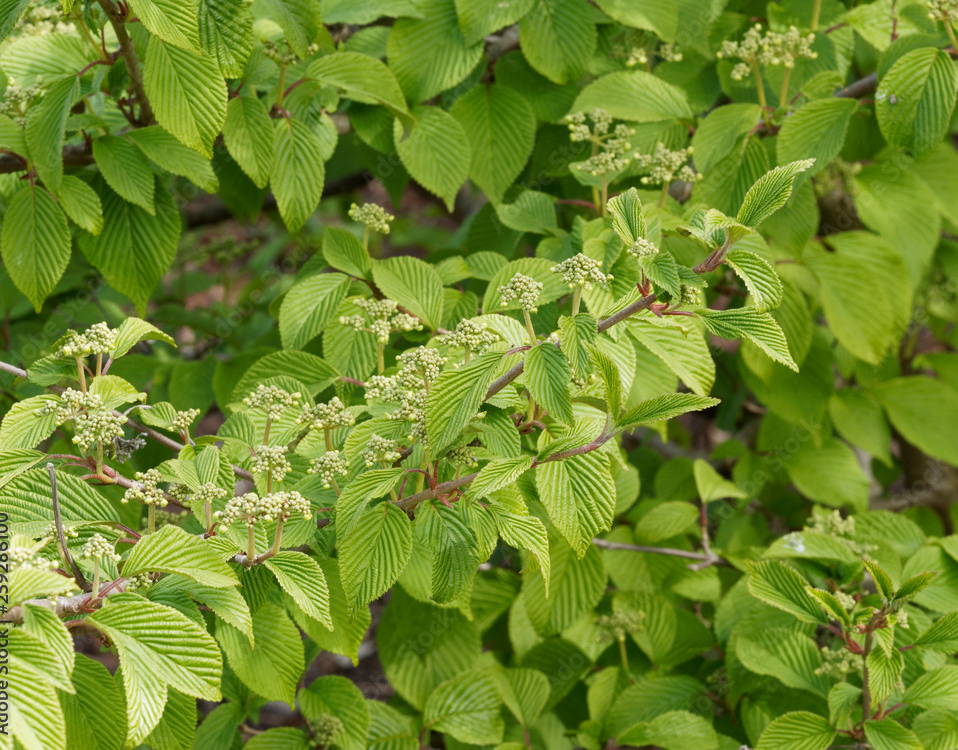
(129, 56)
(64, 605)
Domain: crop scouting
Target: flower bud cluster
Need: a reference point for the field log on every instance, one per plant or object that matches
(637, 56)
(381, 450)
(581, 270)
(461, 455)
(418, 368)
(17, 100)
(72, 404)
(145, 489)
(837, 662)
(326, 729)
(524, 289)
(98, 548)
(942, 10)
(40, 21)
(642, 248)
(98, 339)
(51, 532)
(272, 50)
(690, 295)
(373, 216)
(271, 459)
(666, 165)
(328, 466)
(27, 557)
(670, 53)
(207, 493)
(179, 492)
(184, 419)
(382, 317)
(620, 624)
(139, 582)
(271, 399)
(471, 336)
(615, 148)
(770, 48)
(97, 427)
(327, 416)
(251, 508)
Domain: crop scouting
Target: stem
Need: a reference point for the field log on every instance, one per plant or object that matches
(576, 298)
(366, 240)
(208, 510)
(783, 94)
(78, 19)
(81, 375)
(99, 458)
(532, 331)
(281, 94)
(250, 544)
(816, 11)
(96, 579)
(99, 363)
(61, 538)
(760, 86)
(624, 655)
(951, 34)
(664, 195)
(329, 438)
(129, 55)
(380, 358)
(604, 195)
(278, 537)
(151, 514)
(866, 689)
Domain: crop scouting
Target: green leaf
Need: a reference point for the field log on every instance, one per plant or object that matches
(884, 672)
(915, 585)
(26, 500)
(479, 18)
(301, 21)
(27, 583)
(770, 192)
(126, 170)
(523, 531)
(497, 474)
(888, 734)
(925, 411)
(829, 474)
(574, 334)
(173, 550)
(674, 730)
(758, 327)
(158, 647)
(412, 283)
(548, 376)
(915, 98)
(187, 92)
(134, 249)
(653, 15)
(760, 278)
(308, 369)
(833, 608)
(303, 579)
(557, 38)
(937, 688)
(115, 391)
(248, 135)
(170, 20)
(44, 130)
(942, 635)
(96, 713)
(532, 211)
(664, 407)
(334, 695)
(882, 580)
(344, 251)
(226, 33)
(274, 666)
(428, 54)
(861, 421)
(278, 738)
(579, 495)
(10, 11)
(361, 78)
(716, 136)
(611, 381)
(435, 151)
(298, 173)
(35, 243)
(369, 486)
(309, 306)
(169, 154)
(35, 716)
(454, 399)
(799, 730)
(501, 127)
(781, 586)
(467, 708)
(525, 692)
(81, 203)
(375, 553)
(667, 520)
(634, 95)
(454, 547)
(134, 330)
(816, 130)
(686, 356)
(627, 219)
(227, 603)
(711, 485)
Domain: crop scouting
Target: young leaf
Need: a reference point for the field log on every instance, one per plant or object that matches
(548, 376)
(759, 277)
(770, 193)
(44, 130)
(169, 154)
(937, 688)
(627, 219)
(499, 473)
(455, 552)
(882, 580)
(375, 554)
(781, 586)
(303, 579)
(226, 32)
(454, 399)
(309, 306)
(799, 730)
(365, 488)
(467, 708)
(173, 550)
(414, 284)
(170, 20)
(361, 78)
(298, 173)
(342, 250)
(664, 407)
(758, 327)
(915, 585)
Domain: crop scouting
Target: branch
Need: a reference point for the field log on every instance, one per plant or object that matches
(129, 55)
(701, 557)
(61, 537)
(861, 87)
(63, 605)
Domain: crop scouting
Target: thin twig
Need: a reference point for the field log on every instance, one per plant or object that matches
(606, 544)
(129, 56)
(61, 537)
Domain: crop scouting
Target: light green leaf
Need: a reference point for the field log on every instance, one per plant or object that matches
(634, 95)
(884, 672)
(711, 485)
(303, 579)
(925, 411)
(412, 283)
(888, 734)
(777, 584)
(799, 730)
(115, 391)
(278, 738)
(344, 251)
(760, 278)
(428, 54)
(666, 520)
(309, 306)
(454, 399)
(35, 715)
(770, 192)
(172, 550)
(435, 151)
(664, 407)
(479, 18)
(134, 249)
(81, 203)
(454, 547)
(467, 708)
(942, 635)
(170, 20)
(226, 33)
(227, 603)
(126, 170)
(532, 211)
(361, 78)
(10, 11)
(334, 695)
(937, 729)
(882, 580)
(521, 530)
(758, 327)
(499, 473)
(298, 173)
(301, 21)
(187, 92)
(816, 130)
(168, 153)
(660, 16)
(915, 585)
(686, 356)
(829, 474)
(96, 713)
(548, 376)
(937, 688)
(860, 420)
(45, 126)
(915, 98)
(557, 38)
(308, 369)
(524, 691)
(674, 730)
(368, 486)
(716, 136)
(248, 135)
(26, 500)
(134, 330)
(627, 219)
(375, 554)
(500, 126)
(35, 243)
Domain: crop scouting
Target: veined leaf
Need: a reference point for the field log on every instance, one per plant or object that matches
(942, 635)
(558, 38)
(342, 250)
(627, 219)
(226, 32)
(770, 193)
(548, 376)
(297, 175)
(81, 203)
(760, 278)
(35, 243)
(799, 730)
(479, 18)
(361, 78)
(686, 356)
(579, 495)
(301, 21)
(654, 15)
(781, 586)
(375, 554)
(467, 708)
(758, 327)
(248, 134)
(369, 486)
(937, 688)
(334, 695)
(455, 551)
(173, 550)
(169, 154)
(817, 129)
(454, 399)
(884, 672)
(787, 655)
(925, 411)
(44, 130)
(125, 169)
(170, 20)
(664, 407)
(414, 284)
(499, 473)
(711, 485)
(309, 306)
(303, 579)
(134, 330)
(633, 95)
(436, 151)
(888, 734)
